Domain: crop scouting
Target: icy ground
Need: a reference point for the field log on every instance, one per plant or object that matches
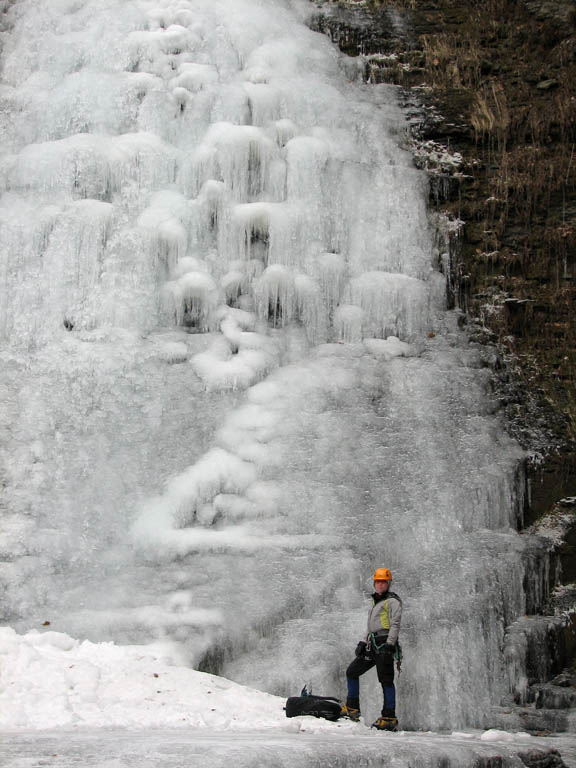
(302, 744)
(127, 706)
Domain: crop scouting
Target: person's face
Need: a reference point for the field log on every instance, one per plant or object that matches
(381, 586)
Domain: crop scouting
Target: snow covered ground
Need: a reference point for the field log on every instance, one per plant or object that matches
(66, 703)
(50, 680)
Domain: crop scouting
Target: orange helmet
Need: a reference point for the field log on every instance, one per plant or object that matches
(382, 574)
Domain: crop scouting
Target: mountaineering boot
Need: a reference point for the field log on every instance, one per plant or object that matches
(351, 709)
(386, 723)
(351, 713)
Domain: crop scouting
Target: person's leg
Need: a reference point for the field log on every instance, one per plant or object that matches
(385, 670)
(355, 670)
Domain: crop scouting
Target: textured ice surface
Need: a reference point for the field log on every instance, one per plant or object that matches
(329, 747)
(222, 399)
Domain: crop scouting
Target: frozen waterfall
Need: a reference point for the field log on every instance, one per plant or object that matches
(229, 384)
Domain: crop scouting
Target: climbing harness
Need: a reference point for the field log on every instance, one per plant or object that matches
(374, 644)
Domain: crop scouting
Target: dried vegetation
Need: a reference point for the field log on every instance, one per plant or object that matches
(503, 73)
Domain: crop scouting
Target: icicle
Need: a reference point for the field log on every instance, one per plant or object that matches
(310, 308)
(243, 154)
(264, 103)
(193, 77)
(200, 299)
(307, 157)
(150, 48)
(252, 224)
(332, 277)
(393, 304)
(348, 322)
(189, 264)
(276, 295)
(198, 167)
(235, 284)
(85, 166)
(269, 232)
(285, 131)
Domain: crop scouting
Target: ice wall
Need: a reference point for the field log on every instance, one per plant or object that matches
(229, 386)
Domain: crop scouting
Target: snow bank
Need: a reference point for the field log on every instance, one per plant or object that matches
(50, 680)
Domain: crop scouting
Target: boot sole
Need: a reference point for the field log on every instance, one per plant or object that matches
(390, 729)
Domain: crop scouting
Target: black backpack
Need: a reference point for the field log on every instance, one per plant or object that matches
(317, 706)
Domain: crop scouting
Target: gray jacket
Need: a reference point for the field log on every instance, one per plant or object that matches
(385, 617)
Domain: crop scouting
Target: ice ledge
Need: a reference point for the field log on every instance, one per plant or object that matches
(98, 748)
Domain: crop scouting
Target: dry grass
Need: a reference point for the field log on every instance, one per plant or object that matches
(505, 84)
(490, 114)
(521, 204)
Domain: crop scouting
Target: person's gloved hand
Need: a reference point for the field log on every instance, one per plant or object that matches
(360, 649)
(387, 649)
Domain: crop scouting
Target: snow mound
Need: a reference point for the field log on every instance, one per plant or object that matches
(496, 735)
(387, 349)
(50, 680)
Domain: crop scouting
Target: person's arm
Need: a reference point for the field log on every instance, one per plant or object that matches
(395, 617)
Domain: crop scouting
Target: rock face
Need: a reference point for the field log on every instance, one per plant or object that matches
(536, 758)
(559, 11)
(493, 85)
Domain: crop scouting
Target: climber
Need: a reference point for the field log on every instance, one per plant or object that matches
(379, 649)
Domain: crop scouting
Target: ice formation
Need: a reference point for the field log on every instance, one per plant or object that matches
(228, 378)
